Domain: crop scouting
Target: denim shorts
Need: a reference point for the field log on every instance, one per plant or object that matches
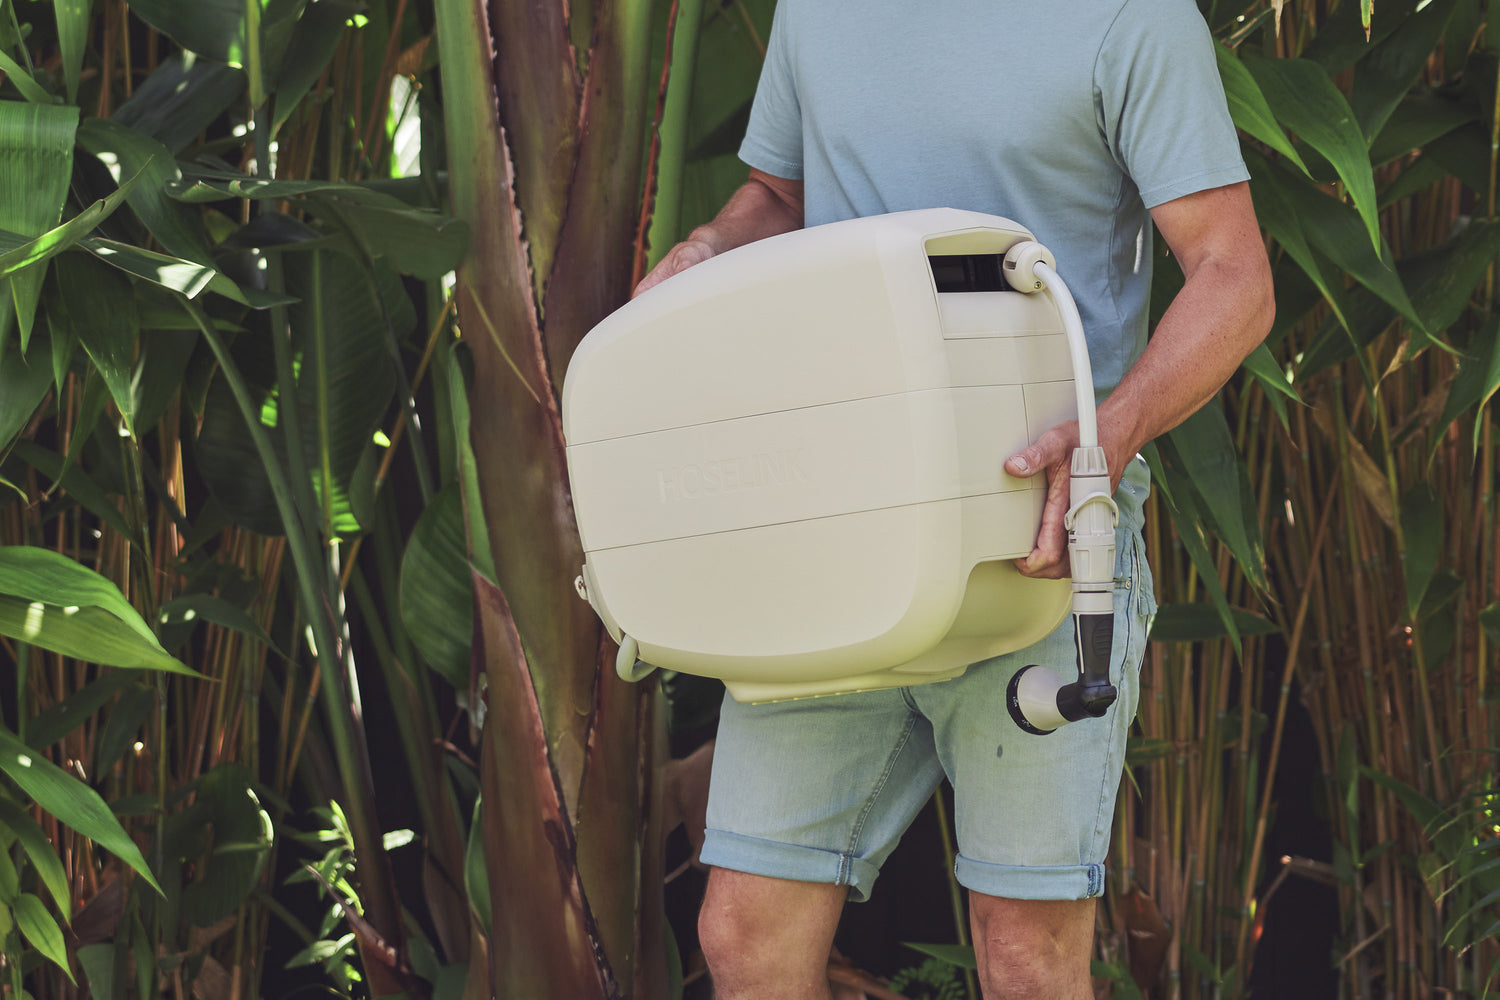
(820, 790)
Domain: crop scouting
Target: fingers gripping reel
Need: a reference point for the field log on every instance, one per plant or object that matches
(1038, 700)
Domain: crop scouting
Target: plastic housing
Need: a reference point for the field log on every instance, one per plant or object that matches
(786, 461)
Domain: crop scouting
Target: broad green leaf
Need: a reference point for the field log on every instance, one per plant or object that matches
(125, 719)
(1385, 73)
(1180, 497)
(1473, 386)
(126, 153)
(1418, 120)
(181, 98)
(1334, 229)
(24, 81)
(100, 311)
(36, 160)
(72, 36)
(16, 252)
(1209, 460)
(1200, 622)
(437, 592)
(23, 385)
(193, 608)
(39, 849)
(74, 803)
(38, 574)
(84, 633)
(312, 45)
(413, 241)
(70, 713)
(1276, 216)
(38, 927)
(1305, 100)
(169, 272)
(10, 879)
(1248, 107)
(209, 185)
(1263, 365)
(98, 961)
(75, 482)
(230, 31)
(226, 804)
(1422, 530)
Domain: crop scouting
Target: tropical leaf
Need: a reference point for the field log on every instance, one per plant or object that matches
(1248, 107)
(180, 99)
(126, 153)
(17, 252)
(437, 595)
(98, 307)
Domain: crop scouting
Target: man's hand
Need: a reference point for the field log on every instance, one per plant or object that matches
(681, 257)
(1220, 314)
(1053, 454)
(765, 205)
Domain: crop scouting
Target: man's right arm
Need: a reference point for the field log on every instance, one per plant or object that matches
(765, 205)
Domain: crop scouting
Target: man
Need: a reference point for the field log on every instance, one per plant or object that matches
(1085, 121)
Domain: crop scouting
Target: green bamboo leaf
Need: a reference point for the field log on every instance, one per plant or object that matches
(226, 804)
(201, 185)
(245, 34)
(1305, 100)
(1422, 531)
(48, 599)
(1200, 622)
(437, 592)
(36, 160)
(98, 961)
(10, 880)
(75, 482)
(1385, 73)
(84, 633)
(1248, 107)
(71, 801)
(1262, 364)
(1417, 121)
(312, 45)
(1209, 460)
(72, 36)
(127, 153)
(23, 386)
(99, 309)
(38, 927)
(418, 242)
(181, 98)
(193, 608)
(16, 252)
(1276, 216)
(1335, 230)
(121, 728)
(24, 81)
(33, 840)
(70, 713)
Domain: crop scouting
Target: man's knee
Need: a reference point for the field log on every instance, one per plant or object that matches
(1033, 948)
(753, 927)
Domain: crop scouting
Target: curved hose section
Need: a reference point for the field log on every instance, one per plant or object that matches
(1078, 347)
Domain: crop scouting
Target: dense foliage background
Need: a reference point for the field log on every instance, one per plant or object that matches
(297, 692)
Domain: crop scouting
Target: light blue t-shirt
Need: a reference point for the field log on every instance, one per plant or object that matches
(1071, 117)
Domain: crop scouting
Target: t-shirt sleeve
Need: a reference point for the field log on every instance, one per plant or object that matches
(773, 139)
(1161, 103)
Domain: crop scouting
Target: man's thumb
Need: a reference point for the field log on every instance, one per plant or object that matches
(1024, 463)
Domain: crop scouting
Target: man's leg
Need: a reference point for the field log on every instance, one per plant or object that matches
(768, 938)
(1033, 948)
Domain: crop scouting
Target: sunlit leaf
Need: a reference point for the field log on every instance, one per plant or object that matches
(126, 153)
(181, 613)
(16, 252)
(70, 800)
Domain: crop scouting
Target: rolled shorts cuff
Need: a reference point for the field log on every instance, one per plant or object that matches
(1017, 882)
(755, 856)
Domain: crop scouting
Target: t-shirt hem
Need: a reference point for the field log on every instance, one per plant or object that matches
(1204, 180)
(763, 159)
